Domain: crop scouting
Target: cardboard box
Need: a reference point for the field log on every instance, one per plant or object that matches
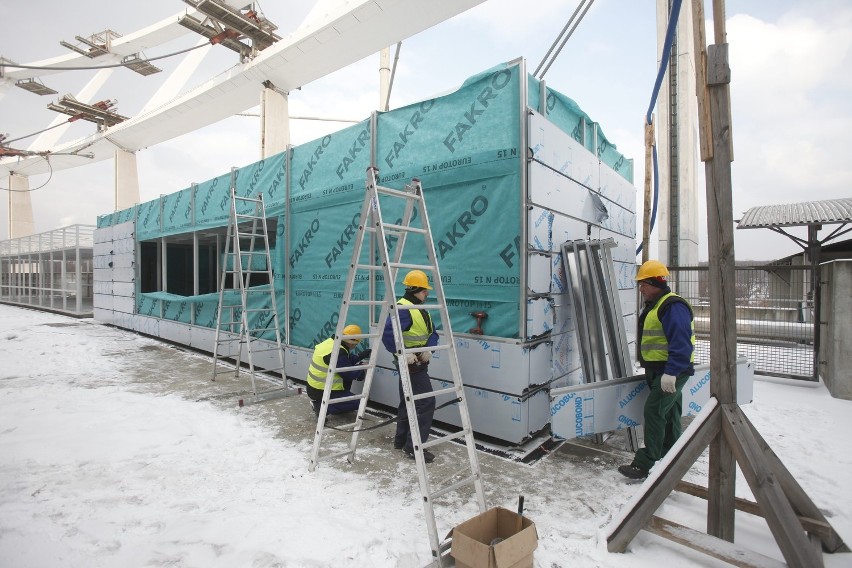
(495, 539)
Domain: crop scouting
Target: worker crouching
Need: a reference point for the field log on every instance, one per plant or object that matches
(342, 381)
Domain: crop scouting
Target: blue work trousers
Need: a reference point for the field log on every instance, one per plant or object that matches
(420, 383)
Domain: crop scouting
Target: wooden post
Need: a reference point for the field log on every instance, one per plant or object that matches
(715, 127)
(646, 220)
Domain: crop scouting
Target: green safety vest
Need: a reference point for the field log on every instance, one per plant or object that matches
(318, 370)
(653, 344)
(421, 328)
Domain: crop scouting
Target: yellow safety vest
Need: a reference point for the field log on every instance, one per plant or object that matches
(653, 345)
(421, 328)
(318, 370)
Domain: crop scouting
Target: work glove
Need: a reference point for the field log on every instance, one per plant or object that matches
(667, 383)
(425, 356)
(365, 354)
(411, 358)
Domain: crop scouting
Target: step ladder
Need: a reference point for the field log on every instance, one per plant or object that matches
(372, 223)
(242, 306)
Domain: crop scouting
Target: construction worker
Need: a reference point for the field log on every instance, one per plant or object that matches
(417, 331)
(342, 382)
(666, 349)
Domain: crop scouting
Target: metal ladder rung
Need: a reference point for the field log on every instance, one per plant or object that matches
(397, 193)
(442, 439)
(412, 266)
(427, 348)
(452, 487)
(420, 306)
(334, 455)
(436, 393)
(248, 199)
(359, 335)
(400, 228)
(365, 302)
(368, 267)
(345, 399)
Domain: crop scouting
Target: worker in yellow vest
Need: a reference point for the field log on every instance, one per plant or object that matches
(417, 331)
(342, 381)
(666, 349)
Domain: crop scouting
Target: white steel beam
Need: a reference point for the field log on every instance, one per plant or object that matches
(321, 45)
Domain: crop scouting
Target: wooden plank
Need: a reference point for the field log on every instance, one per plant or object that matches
(779, 514)
(799, 499)
(661, 486)
(811, 526)
(646, 216)
(710, 545)
(705, 132)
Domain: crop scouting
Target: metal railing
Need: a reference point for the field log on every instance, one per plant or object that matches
(774, 311)
(51, 270)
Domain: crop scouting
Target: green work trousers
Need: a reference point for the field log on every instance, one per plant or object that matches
(662, 425)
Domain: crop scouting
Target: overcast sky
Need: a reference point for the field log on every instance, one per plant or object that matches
(791, 93)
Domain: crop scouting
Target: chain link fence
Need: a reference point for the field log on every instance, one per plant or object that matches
(774, 310)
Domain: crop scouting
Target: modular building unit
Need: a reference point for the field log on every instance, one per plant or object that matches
(510, 168)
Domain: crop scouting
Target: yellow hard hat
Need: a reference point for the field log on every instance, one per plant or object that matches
(652, 269)
(352, 329)
(416, 279)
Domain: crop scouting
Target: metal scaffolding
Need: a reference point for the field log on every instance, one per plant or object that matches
(51, 270)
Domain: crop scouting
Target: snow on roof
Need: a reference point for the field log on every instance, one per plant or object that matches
(797, 214)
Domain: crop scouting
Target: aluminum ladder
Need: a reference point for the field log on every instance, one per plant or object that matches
(242, 306)
(372, 223)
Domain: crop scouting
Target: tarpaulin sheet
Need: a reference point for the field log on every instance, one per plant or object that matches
(464, 147)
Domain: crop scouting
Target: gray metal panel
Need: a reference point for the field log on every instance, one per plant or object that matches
(124, 231)
(102, 235)
(500, 415)
(538, 281)
(797, 214)
(174, 331)
(124, 289)
(558, 150)
(103, 287)
(614, 405)
(124, 246)
(202, 338)
(102, 315)
(124, 304)
(123, 259)
(102, 249)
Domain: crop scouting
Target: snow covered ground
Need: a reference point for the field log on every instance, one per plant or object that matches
(117, 450)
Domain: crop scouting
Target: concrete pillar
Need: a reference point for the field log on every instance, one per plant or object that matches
(684, 215)
(126, 180)
(274, 122)
(20, 207)
(835, 350)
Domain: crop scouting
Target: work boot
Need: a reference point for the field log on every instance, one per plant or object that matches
(633, 471)
(428, 456)
(398, 444)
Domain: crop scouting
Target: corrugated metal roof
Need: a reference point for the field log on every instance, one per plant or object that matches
(798, 214)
